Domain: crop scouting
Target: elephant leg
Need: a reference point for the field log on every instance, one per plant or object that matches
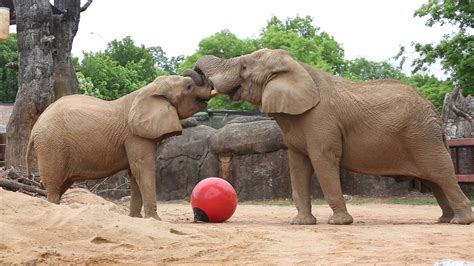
(141, 156)
(439, 171)
(53, 189)
(327, 172)
(65, 186)
(136, 201)
(53, 195)
(455, 198)
(300, 173)
(448, 213)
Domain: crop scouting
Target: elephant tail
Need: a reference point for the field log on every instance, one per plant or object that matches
(28, 155)
(445, 142)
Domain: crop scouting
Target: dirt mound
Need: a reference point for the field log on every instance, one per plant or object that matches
(88, 229)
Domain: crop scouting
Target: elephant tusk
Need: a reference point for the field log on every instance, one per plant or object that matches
(214, 93)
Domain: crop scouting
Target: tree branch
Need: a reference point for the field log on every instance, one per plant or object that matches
(456, 109)
(15, 186)
(86, 5)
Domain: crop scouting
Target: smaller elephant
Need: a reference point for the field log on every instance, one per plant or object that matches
(81, 137)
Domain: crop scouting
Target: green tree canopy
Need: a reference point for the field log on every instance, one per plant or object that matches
(122, 68)
(304, 42)
(363, 69)
(430, 87)
(455, 51)
(111, 79)
(297, 35)
(223, 44)
(8, 77)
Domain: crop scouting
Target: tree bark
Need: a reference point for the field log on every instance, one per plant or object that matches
(15, 186)
(35, 76)
(457, 115)
(64, 30)
(458, 122)
(46, 73)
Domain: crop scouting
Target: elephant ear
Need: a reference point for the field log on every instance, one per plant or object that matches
(152, 115)
(292, 90)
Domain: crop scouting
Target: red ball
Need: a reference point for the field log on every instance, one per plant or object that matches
(213, 200)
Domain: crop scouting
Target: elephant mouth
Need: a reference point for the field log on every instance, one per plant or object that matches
(201, 102)
(235, 93)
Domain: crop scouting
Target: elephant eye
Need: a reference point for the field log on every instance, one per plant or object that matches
(189, 87)
(243, 67)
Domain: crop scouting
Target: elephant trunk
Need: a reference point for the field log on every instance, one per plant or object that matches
(195, 76)
(223, 74)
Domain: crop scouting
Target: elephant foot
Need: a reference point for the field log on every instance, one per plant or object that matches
(155, 216)
(340, 218)
(304, 219)
(466, 218)
(136, 215)
(443, 219)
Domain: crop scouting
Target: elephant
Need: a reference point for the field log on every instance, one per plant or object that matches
(379, 127)
(80, 137)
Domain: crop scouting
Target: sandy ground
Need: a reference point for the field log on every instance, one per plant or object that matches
(88, 229)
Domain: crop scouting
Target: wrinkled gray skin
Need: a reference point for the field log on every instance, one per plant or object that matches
(81, 137)
(376, 127)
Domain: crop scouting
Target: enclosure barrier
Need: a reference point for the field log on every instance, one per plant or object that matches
(2, 148)
(462, 156)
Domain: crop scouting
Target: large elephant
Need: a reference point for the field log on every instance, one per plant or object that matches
(381, 127)
(81, 137)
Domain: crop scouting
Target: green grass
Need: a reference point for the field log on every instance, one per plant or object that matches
(413, 201)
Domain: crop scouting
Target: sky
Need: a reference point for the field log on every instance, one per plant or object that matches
(373, 29)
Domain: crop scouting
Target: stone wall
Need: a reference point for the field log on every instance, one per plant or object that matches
(250, 153)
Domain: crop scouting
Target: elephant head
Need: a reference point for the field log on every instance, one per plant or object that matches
(268, 78)
(165, 101)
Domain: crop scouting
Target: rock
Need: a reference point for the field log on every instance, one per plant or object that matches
(261, 176)
(372, 186)
(183, 161)
(247, 138)
(189, 122)
(246, 119)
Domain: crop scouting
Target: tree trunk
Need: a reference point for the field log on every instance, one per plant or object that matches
(64, 30)
(458, 112)
(45, 36)
(458, 122)
(35, 77)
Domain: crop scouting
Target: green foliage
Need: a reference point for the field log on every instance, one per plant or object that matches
(296, 35)
(224, 102)
(168, 66)
(122, 68)
(454, 12)
(136, 58)
(87, 87)
(223, 44)
(431, 88)
(110, 78)
(455, 51)
(8, 77)
(363, 69)
(304, 42)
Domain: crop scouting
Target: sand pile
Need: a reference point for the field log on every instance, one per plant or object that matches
(88, 229)
(34, 230)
